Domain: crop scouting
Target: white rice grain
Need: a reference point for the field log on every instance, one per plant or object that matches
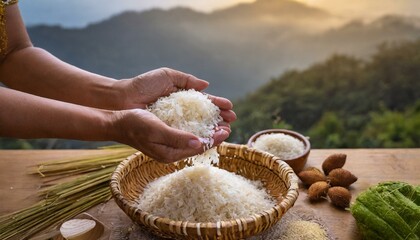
(204, 193)
(190, 111)
(281, 145)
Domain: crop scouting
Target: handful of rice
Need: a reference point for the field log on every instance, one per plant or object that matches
(189, 110)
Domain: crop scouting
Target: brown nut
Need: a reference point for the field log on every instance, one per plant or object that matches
(339, 196)
(333, 161)
(311, 175)
(318, 190)
(341, 177)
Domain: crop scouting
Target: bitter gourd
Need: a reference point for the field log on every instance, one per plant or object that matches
(389, 210)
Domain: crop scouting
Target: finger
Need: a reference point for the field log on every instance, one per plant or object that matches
(220, 136)
(180, 144)
(167, 154)
(221, 102)
(186, 81)
(227, 129)
(228, 115)
(224, 125)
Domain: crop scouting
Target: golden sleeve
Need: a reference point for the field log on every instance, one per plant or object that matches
(3, 34)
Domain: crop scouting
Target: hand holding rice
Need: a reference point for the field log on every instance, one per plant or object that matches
(176, 126)
(190, 111)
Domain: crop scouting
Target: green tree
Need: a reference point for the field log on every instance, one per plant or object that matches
(340, 93)
(328, 132)
(394, 74)
(391, 129)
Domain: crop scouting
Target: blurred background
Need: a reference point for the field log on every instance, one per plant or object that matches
(345, 73)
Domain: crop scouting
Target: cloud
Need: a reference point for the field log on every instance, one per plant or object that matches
(367, 9)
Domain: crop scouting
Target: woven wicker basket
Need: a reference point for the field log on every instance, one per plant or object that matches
(134, 173)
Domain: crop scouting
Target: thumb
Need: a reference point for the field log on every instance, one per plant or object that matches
(179, 139)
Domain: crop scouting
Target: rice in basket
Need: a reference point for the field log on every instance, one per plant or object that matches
(201, 192)
(204, 193)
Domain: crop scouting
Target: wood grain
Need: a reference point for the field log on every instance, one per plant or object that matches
(371, 166)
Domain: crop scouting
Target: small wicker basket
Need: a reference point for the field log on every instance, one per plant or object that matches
(134, 173)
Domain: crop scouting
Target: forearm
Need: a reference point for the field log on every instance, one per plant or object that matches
(35, 71)
(26, 116)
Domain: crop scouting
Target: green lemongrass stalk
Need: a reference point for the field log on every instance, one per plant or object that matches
(50, 215)
(83, 165)
(54, 201)
(67, 199)
(21, 213)
(111, 155)
(52, 211)
(78, 184)
(115, 146)
(83, 204)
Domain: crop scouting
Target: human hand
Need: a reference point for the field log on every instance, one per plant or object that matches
(147, 88)
(147, 133)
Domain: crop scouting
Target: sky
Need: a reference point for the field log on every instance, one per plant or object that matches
(79, 13)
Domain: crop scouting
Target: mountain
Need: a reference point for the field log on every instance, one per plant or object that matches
(342, 102)
(237, 49)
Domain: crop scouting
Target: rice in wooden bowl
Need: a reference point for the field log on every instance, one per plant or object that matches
(135, 173)
(289, 146)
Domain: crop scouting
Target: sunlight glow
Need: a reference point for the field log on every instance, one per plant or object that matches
(363, 9)
(309, 2)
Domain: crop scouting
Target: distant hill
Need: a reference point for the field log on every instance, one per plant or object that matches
(237, 49)
(342, 102)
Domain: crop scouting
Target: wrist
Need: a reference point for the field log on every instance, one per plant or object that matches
(107, 94)
(111, 125)
(121, 92)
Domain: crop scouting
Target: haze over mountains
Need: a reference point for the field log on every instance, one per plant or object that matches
(237, 49)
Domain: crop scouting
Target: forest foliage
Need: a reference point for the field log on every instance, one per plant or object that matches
(343, 102)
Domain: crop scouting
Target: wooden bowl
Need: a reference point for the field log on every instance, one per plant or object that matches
(133, 174)
(297, 163)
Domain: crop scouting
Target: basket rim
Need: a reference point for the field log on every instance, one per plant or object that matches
(278, 209)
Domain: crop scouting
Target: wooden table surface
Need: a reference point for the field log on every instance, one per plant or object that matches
(371, 166)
